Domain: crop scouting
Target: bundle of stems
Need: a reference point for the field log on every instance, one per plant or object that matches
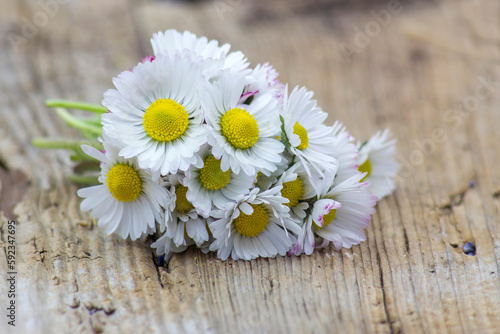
(86, 168)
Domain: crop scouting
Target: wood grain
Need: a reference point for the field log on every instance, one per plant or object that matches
(419, 75)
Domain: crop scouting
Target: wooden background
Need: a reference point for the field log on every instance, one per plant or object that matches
(430, 73)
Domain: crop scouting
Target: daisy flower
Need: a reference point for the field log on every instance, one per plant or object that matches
(155, 112)
(309, 140)
(127, 201)
(376, 159)
(209, 185)
(243, 136)
(172, 41)
(181, 217)
(257, 224)
(338, 216)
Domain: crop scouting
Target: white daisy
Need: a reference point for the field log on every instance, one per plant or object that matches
(257, 224)
(209, 185)
(172, 41)
(181, 217)
(309, 139)
(376, 158)
(338, 216)
(155, 112)
(243, 136)
(128, 201)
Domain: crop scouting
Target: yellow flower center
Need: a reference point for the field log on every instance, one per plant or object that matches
(165, 120)
(328, 218)
(211, 175)
(124, 183)
(252, 225)
(302, 133)
(292, 190)
(365, 167)
(240, 128)
(181, 203)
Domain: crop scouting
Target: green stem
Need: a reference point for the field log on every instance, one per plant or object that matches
(75, 146)
(57, 144)
(78, 123)
(98, 109)
(93, 121)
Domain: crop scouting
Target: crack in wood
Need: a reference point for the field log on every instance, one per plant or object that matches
(384, 297)
(158, 273)
(407, 244)
(75, 257)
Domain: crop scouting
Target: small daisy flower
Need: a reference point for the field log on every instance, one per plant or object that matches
(127, 202)
(338, 216)
(209, 185)
(172, 41)
(257, 224)
(376, 159)
(243, 136)
(310, 141)
(181, 217)
(155, 112)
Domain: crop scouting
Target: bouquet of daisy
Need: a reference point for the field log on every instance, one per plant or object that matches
(196, 145)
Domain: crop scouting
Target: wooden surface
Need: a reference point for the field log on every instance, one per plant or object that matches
(410, 276)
